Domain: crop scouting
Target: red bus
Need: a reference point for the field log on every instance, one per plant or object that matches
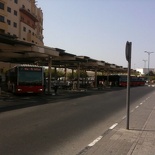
(134, 81)
(26, 79)
(121, 80)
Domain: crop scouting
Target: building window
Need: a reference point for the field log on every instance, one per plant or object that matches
(24, 29)
(15, 24)
(15, 12)
(9, 22)
(29, 31)
(16, 1)
(1, 6)
(9, 9)
(2, 19)
(23, 6)
(23, 38)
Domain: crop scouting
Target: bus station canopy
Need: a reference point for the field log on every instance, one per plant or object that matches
(15, 51)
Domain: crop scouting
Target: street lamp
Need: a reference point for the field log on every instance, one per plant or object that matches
(148, 62)
(144, 63)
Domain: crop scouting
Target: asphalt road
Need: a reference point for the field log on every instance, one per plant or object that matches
(65, 127)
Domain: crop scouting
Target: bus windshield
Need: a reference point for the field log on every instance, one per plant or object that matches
(29, 77)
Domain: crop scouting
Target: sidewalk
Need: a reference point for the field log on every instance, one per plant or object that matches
(138, 140)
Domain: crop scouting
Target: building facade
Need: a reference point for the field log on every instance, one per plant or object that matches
(145, 70)
(21, 19)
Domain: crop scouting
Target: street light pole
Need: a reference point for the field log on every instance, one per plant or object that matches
(144, 63)
(148, 62)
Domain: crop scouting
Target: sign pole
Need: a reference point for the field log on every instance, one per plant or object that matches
(128, 58)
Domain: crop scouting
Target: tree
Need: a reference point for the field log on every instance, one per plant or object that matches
(74, 75)
(56, 74)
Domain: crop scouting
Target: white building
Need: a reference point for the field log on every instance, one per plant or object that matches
(145, 70)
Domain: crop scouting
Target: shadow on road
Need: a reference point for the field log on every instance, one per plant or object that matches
(9, 101)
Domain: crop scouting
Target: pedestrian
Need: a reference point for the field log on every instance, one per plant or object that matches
(55, 88)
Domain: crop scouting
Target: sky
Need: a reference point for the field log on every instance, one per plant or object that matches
(100, 29)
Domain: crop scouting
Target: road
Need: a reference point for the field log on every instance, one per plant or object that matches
(65, 127)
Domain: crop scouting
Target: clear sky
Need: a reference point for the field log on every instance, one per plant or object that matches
(99, 29)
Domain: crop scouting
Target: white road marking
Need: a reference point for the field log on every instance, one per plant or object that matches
(123, 117)
(141, 103)
(113, 126)
(95, 141)
(137, 107)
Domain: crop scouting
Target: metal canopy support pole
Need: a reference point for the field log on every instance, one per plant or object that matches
(78, 76)
(49, 74)
(108, 82)
(72, 74)
(55, 73)
(72, 78)
(85, 78)
(95, 77)
(65, 73)
(59, 76)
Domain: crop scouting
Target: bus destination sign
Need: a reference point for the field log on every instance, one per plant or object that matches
(30, 68)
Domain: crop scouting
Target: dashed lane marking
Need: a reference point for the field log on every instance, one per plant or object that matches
(123, 117)
(113, 126)
(95, 141)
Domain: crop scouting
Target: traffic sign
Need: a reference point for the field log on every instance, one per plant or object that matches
(128, 50)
